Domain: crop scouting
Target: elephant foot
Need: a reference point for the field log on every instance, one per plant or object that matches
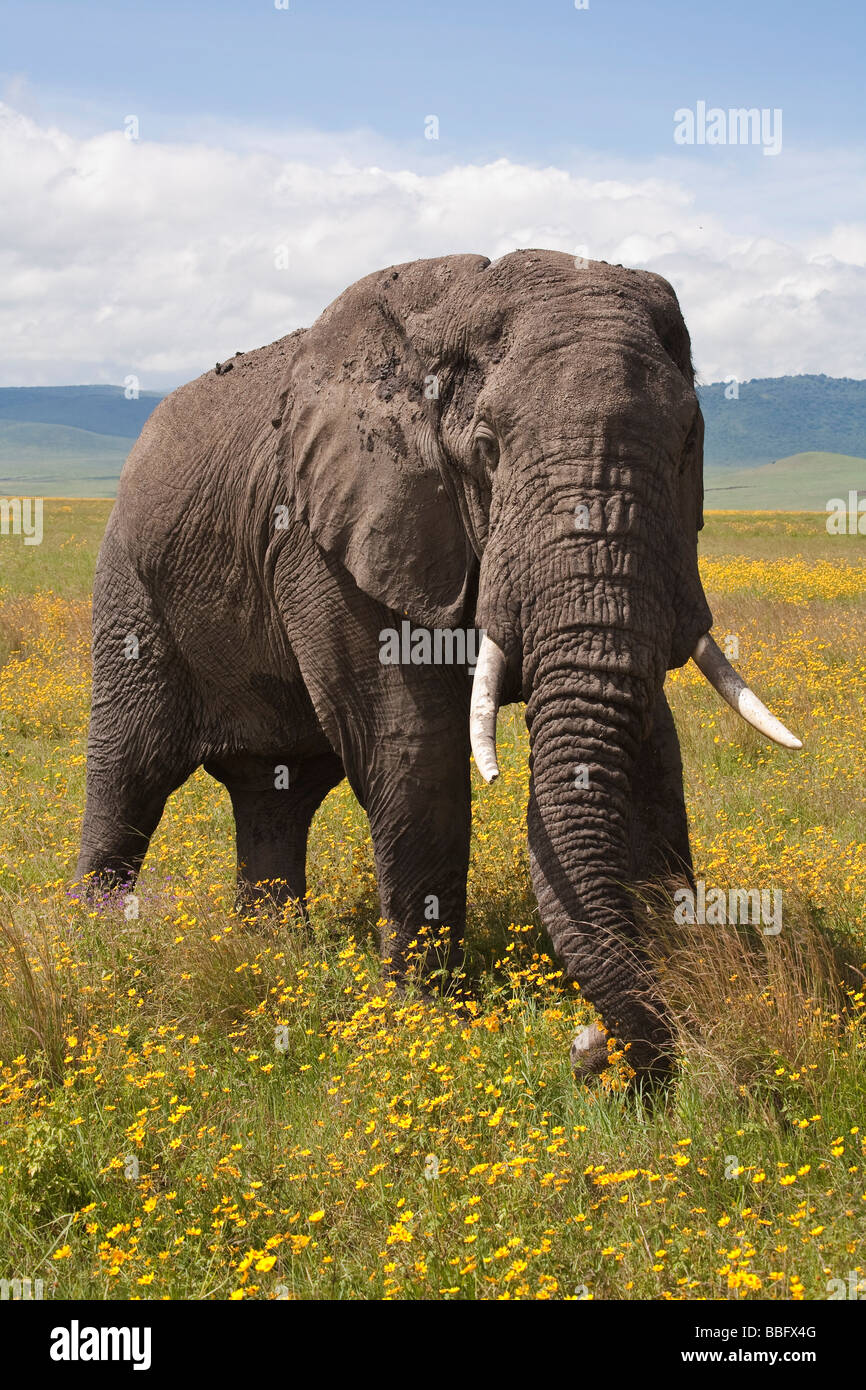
(103, 888)
(270, 898)
(653, 1069)
(589, 1052)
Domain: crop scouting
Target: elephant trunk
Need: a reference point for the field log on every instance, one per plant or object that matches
(586, 619)
(587, 595)
(585, 730)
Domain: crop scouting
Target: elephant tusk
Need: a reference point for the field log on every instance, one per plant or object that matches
(713, 664)
(484, 707)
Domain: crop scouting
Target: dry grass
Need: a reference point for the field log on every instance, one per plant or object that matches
(742, 1000)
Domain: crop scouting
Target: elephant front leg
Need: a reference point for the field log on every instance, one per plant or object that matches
(417, 797)
(401, 731)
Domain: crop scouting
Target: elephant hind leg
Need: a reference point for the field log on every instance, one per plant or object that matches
(140, 744)
(274, 801)
(135, 759)
(119, 820)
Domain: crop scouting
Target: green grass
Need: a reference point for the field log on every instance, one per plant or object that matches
(65, 560)
(775, 535)
(52, 460)
(803, 482)
(196, 1106)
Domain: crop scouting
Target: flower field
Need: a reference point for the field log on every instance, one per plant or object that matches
(198, 1106)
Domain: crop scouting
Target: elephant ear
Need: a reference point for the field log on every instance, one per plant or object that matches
(357, 415)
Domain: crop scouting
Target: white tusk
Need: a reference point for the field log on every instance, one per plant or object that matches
(484, 707)
(713, 664)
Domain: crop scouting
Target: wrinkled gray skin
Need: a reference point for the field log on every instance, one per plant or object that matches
(273, 519)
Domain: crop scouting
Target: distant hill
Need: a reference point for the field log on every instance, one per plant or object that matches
(57, 461)
(100, 409)
(72, 440)
(803, 483)
(777, 417)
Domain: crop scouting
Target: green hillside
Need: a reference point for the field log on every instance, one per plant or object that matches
(99, 409)
(777, 417)
(59, 461)
(785, 442)
(804, 482)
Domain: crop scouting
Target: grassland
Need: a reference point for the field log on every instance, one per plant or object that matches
(196, 1106)
(802, 482)
(40, 459)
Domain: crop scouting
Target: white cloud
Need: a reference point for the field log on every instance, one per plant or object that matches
(158, 259)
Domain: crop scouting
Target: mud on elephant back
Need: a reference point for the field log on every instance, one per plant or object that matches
(458, 445)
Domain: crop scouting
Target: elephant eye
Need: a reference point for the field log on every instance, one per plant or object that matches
(485, 448)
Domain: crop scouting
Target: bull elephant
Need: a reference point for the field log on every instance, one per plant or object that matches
(455, 444)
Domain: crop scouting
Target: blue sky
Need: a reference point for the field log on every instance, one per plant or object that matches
(303, 130)
(528, 80)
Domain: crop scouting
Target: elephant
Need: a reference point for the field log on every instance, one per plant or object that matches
(508, 448)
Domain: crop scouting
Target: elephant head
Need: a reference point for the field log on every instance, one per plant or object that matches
(519, 443)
